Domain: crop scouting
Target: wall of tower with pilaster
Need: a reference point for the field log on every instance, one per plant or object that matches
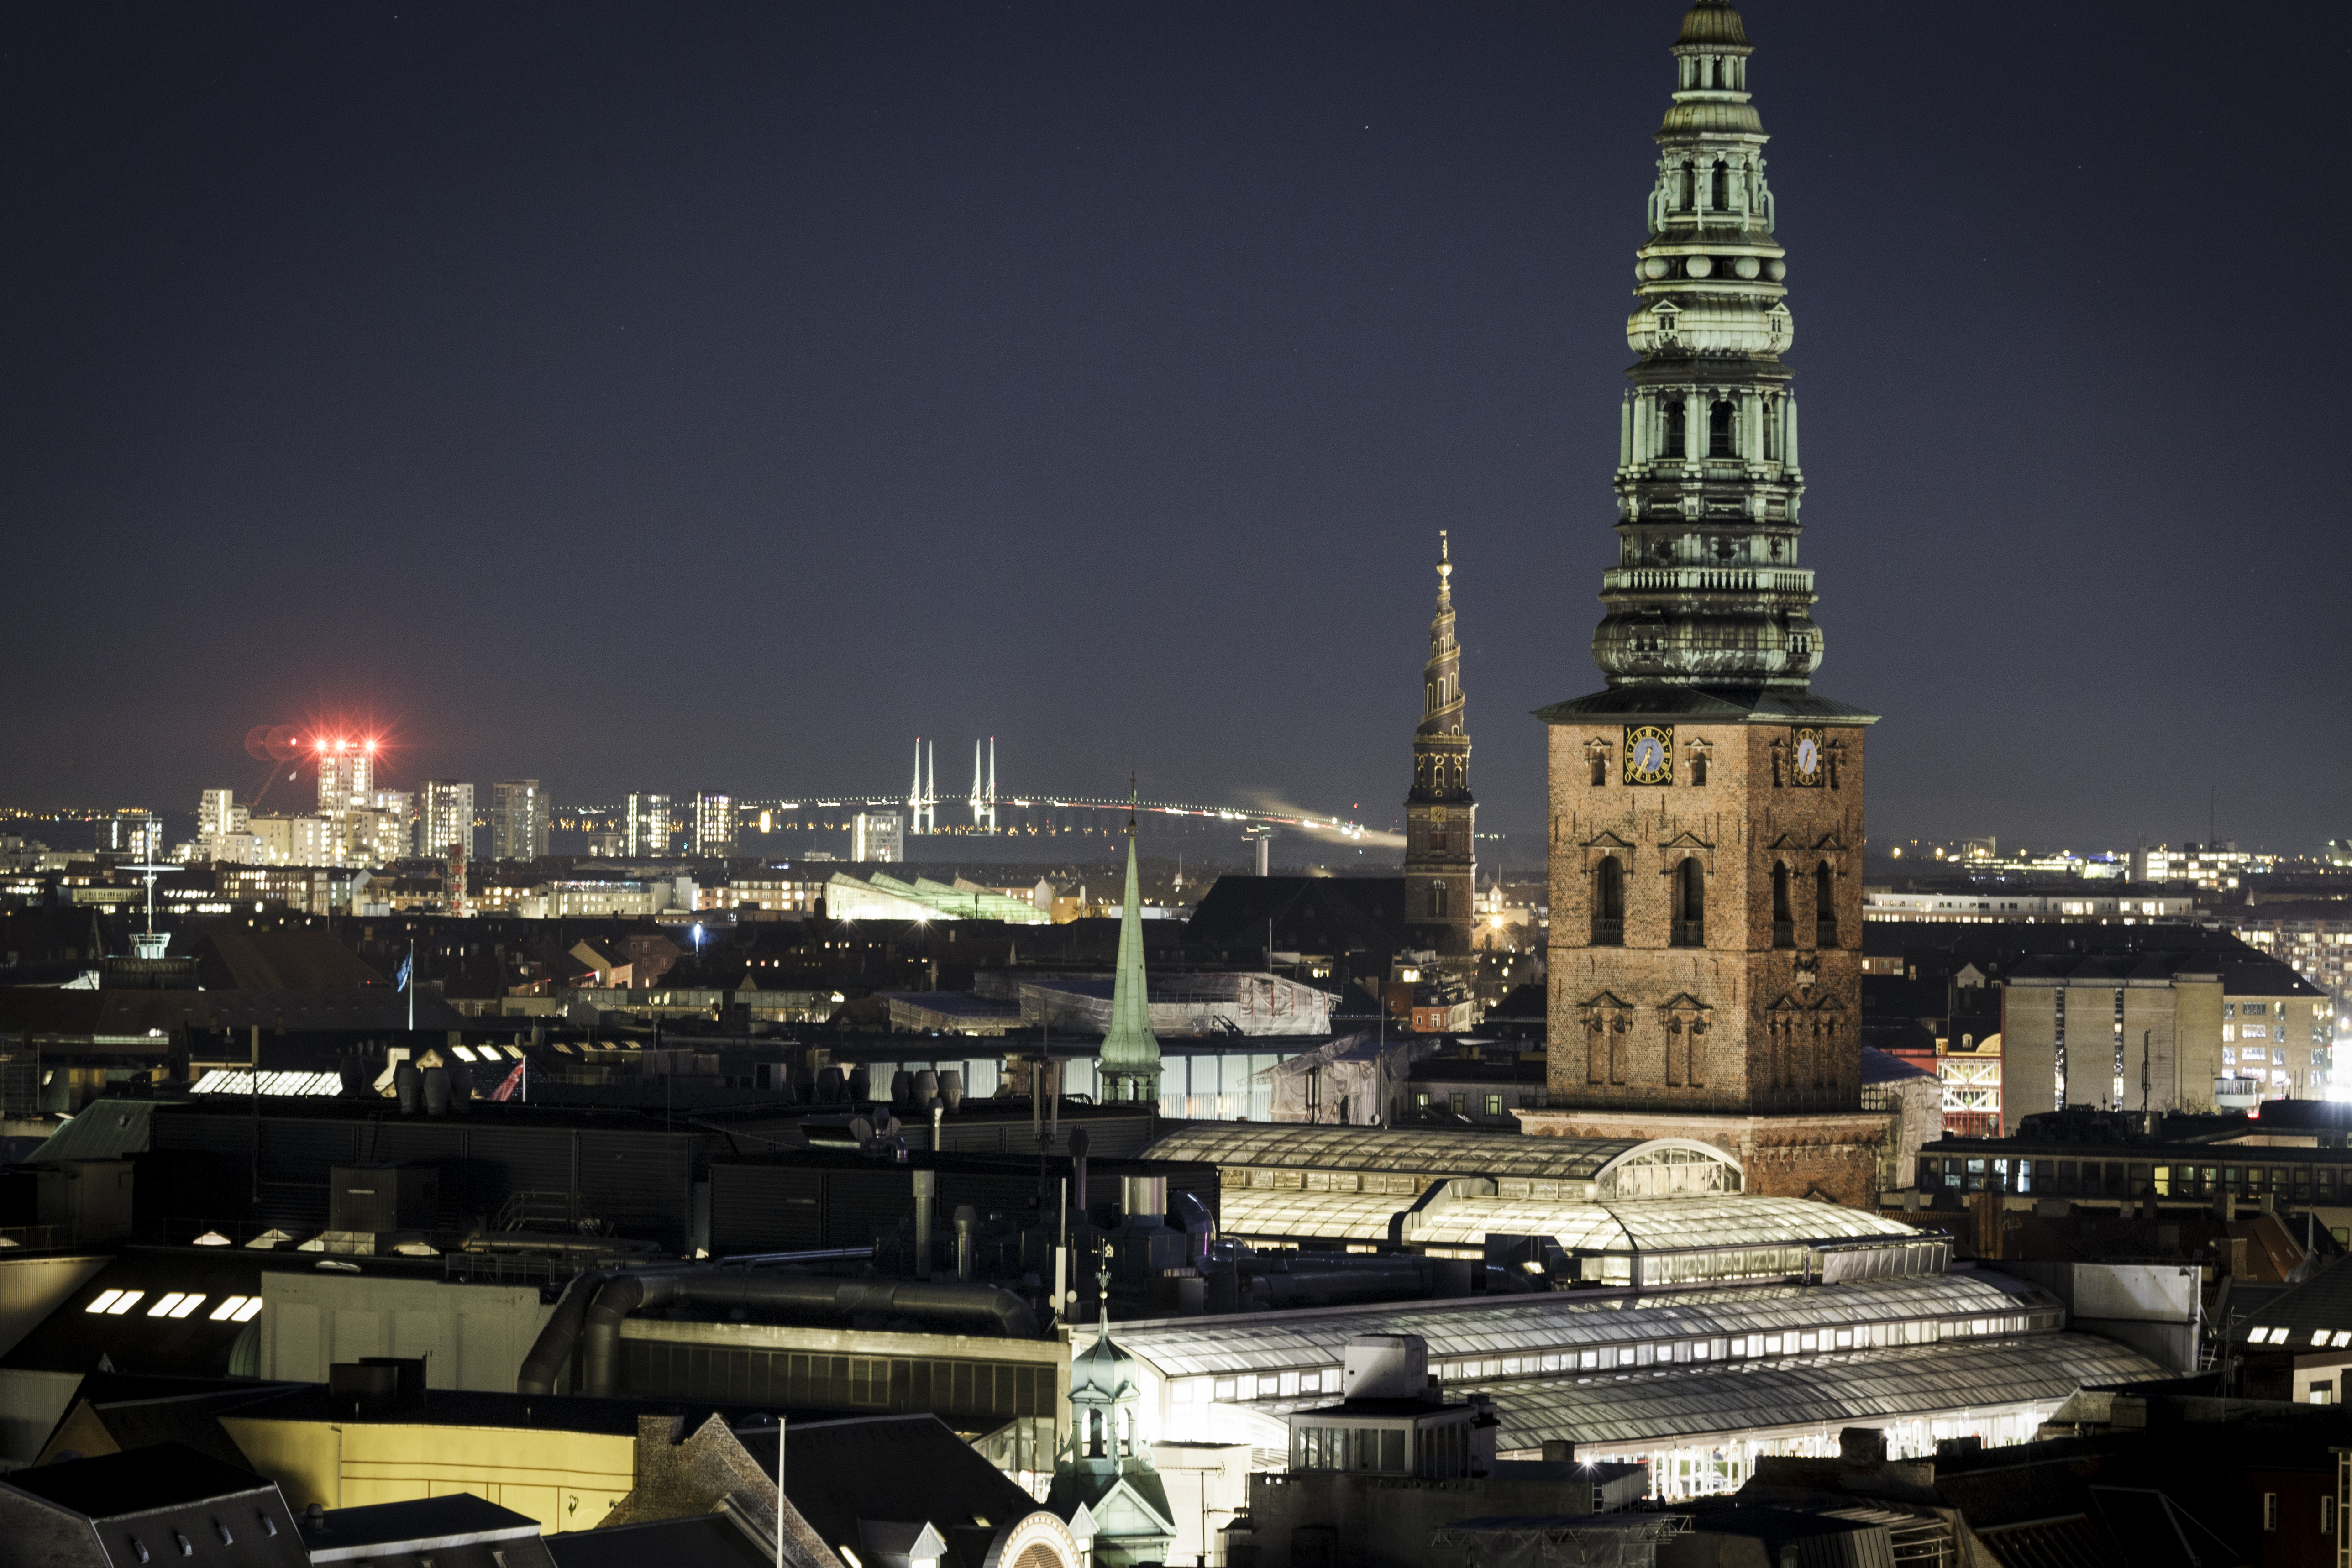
(1748, 996)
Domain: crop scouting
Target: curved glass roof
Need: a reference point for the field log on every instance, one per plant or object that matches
(1435, 1153)
(1606, 1224)
(1745, 1397)
(1522, 1325)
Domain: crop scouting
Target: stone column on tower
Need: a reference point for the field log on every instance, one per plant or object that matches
(1705, 821)
(1440, 861)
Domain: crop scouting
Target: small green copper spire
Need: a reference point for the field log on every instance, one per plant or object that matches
(1129, 1063)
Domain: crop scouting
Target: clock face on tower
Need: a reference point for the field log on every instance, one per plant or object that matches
(1649, 754)
(1807, 755)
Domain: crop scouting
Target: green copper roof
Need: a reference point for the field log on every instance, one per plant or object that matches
(1129, 1049)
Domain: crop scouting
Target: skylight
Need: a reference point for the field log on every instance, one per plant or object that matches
(114, 1303)
(177, 1304)
(233, 1309)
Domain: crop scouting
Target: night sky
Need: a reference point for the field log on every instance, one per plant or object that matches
(680, 397)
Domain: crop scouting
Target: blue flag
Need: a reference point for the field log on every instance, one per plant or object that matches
(400, 976)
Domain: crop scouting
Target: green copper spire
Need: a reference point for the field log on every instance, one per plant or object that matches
(1130, 1053)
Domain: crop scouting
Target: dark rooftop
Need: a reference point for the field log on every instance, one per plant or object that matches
(142, 1479)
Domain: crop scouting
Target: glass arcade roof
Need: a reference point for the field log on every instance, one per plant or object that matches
(1640, 1164)
(1607, 1225)
(1530, 1325)
(1748, 1397)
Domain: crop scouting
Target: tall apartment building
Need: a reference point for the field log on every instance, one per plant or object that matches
(293, 841)
(518, 820)
(391, 834)
(878, 836)
(138, 834)
(445, 820)
(645, 829)
(714, 825)
(219, 814)
(2161, 1033)
(346, 776)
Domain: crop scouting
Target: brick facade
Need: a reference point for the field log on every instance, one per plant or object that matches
(1832, 1155)
(1735, 1010)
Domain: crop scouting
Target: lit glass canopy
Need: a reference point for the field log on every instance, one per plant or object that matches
(1757, 1397)
(1463, 1336)
(1599, 1166)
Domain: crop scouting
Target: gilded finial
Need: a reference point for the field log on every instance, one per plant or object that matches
(1444, 557)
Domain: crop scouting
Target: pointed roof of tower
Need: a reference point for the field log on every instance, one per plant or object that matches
(1443, 708)
(1130, 1046)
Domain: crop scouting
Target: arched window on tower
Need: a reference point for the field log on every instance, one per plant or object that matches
(1690, 904)
(1721, 201)
(1825, 932)
(1722, 431)
(1094, 1435)
(1672, 430)
(1608, 903)
(1784, 925)
(1437, 896)
(1690, 187)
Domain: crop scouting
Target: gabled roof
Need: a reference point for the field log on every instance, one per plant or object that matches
(698, 1540)
(1310, 913)
(112, 1485)
(845, 1475)
(72, 1338)
(279, 961)
(1878, 1067)
(414, 1524)
(2321, 1306)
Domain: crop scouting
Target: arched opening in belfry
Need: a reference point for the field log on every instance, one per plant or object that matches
(1690, 187)
(1437, 901)
(1721, 201)
(1722, 431)
(1672, 430)
(1825, 906)
(1784, 930)
(1608, 903)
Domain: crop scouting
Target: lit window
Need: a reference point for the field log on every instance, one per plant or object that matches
(102, 1300)
(228, 1306)
(188, 1303)
(245, 1314)
(163, 1305)
(124, 1302)
(463, 1053)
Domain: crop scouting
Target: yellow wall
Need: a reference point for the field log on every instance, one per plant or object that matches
(565, 1480)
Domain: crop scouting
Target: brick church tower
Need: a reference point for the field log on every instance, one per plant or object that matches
(1705, 807)
(1441, 818)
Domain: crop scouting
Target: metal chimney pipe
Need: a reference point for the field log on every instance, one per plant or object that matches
(926, 1187)
(967, 1230)
(1143, 1196)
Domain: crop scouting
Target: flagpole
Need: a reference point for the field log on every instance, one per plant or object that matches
(408, 983)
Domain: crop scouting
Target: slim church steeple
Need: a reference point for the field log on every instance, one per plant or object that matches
(1129, 1063)
(1440, 815)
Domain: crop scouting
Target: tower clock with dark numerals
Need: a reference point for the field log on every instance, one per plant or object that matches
(1805, 754)
(1649, 754)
